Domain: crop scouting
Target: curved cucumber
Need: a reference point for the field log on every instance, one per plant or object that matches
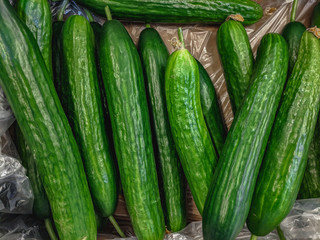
(230, 195)
(127, 103)
(189, 130)
(237, 60)
(292, 33)
(28, 87)
(36, 14)
(183, 11)
(286, 156)
(154, 56)
(211, 110)
(80, 97)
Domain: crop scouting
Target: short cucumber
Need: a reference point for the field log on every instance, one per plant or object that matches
(79, 93)
(231, 191)
(286, 156)
(236, 58)
(154, 56)
(36, 14)
(30, 91)
(211, 110)
(127, 102)
(190, 133)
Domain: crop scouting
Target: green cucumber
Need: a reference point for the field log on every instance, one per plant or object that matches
(211, 110)
(154, 56)
(30, 91)
(285, 159)
(230, 194)
(315, 18)
(36, 14)
(79, 93)
(127, 103)
(183, 11)
(237, 60)
(188, 126)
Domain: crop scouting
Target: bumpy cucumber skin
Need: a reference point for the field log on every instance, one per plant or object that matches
(188, 126)
(211, 110)
(310, 186)
(237, 60)
(32, 97)
(36, 14)
(80, 97)
(172, 11)
(127, 103)
(154, 56)
(41, 207)
(292, 33)
(286, 156)
(315, 18)
(230, 195)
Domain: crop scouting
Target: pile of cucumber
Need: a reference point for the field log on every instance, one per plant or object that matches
(97, 115)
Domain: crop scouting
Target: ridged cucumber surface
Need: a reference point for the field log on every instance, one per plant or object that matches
(231, 191)
(28, 87)
(190, 133)
(154, 56)
(286, 156)
(79, 93)
(127, 103)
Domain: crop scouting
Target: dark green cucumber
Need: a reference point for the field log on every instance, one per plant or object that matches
(183, 11)
(41, 207)
(28, 87)
(292, 33)
(315, 18)
(56, 54)
(154, 56)
(127, 103)
(36, 14)
(188, 126)
(79, 93)
(211, 110)
(310, 186)
(286, 156)
(230, 195)
(237, 60)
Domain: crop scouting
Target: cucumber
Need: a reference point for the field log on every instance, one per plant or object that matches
(231, 191)
(292, 33)
(30, 91)
(183, 11)
(237, 60)
(287, 151)
(79, 93)
(188, 126)
(36, 14)
(315, 18)
(127, 103)
(211, 110)
(154, 56)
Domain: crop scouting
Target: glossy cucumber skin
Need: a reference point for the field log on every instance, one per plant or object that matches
(310, 186)
(172, 11)
(230, 195)
(315, 18)
(154, 56)
(79, 93)
(191, 136)
(287, 151)
(41, 207)
(32, 97)
(36, 14)
(237, 60)
(292, 33)
(211, 110)
(127, 103)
